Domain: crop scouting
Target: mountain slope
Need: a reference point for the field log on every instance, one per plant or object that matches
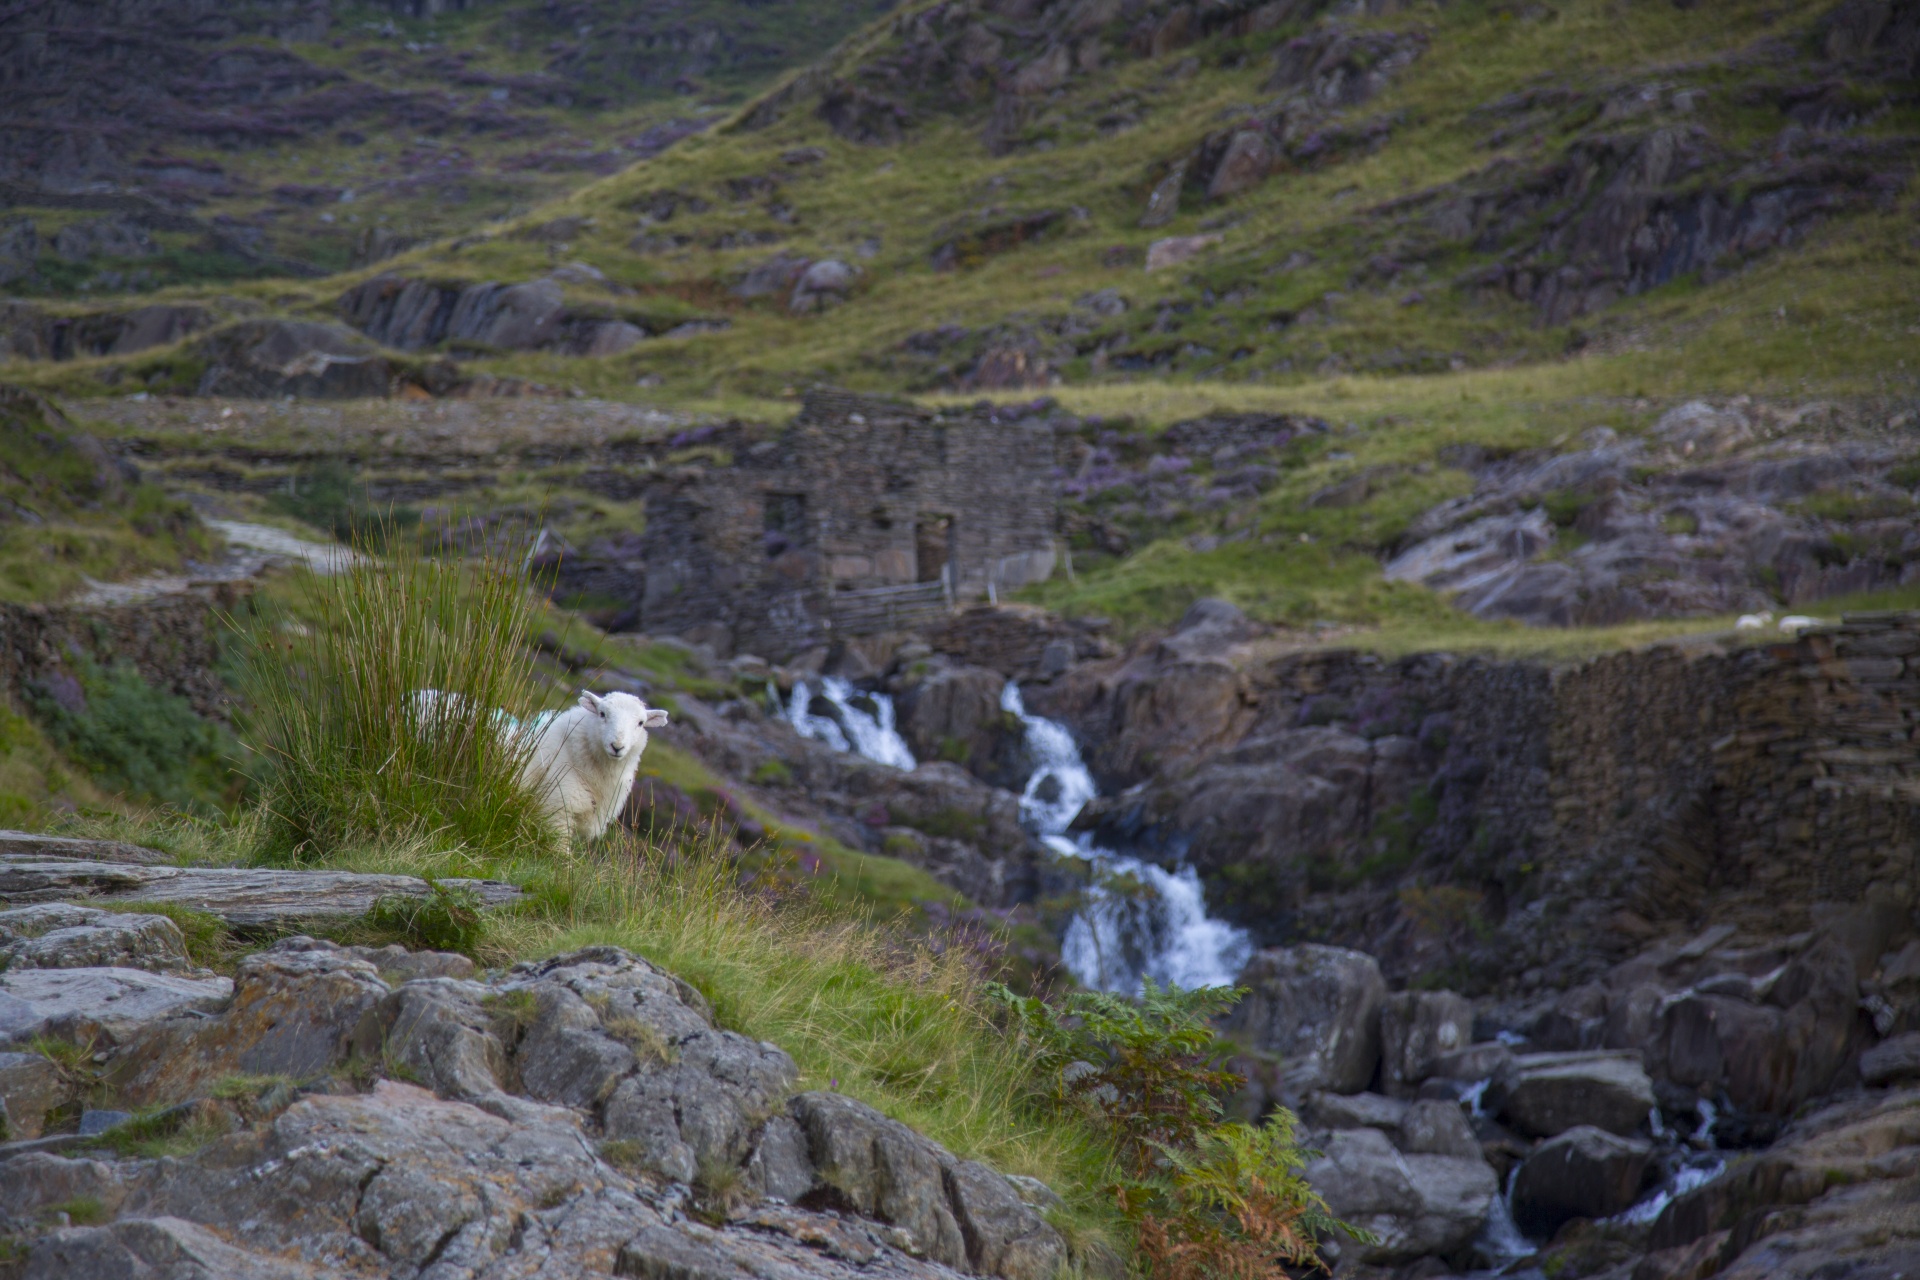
(243, 140)
(1427, 190)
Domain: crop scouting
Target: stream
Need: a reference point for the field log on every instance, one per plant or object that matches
(1137, 920)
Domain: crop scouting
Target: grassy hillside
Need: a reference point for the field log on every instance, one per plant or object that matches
(73, 512)
(1433, 227)
(1413, 225)
(245, 141)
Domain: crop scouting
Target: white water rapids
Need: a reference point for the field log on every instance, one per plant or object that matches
(1138, 920)
(871, 736)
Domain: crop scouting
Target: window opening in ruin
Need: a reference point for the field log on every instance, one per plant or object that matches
(932, 547)
(784, 522)
(881, 517)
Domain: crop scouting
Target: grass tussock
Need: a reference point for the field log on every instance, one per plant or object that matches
(349, 755)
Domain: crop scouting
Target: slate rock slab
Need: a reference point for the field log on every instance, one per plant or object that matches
(63, 935)
(246, 897)
(32, 844)
(1545, 1094)
(74, 1004)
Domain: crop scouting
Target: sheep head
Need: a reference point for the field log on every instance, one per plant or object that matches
(623, 720)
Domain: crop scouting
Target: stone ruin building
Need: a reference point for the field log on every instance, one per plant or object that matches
(863, 515)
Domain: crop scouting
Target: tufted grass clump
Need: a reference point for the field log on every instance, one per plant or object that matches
(346, 757)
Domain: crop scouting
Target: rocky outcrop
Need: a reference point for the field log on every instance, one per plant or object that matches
(1583, 1173)
(30, 332)
(412, 314)
(1422, 807)
(1318, 1009)
(563, 1113)
(1414, 1204)
(271, 359)
(953, 713)
(247, 897)
(1712, 512)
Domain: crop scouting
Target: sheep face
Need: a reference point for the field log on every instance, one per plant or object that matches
(623, 721)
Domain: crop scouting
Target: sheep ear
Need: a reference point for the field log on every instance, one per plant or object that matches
(656, 719)
(592, 703)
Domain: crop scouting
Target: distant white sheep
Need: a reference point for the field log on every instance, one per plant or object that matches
(1752, 621)
(583, 760)
(1794, 623)
(580, 762)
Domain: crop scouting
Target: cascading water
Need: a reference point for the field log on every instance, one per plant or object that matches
(1139, 920)
(868, 734)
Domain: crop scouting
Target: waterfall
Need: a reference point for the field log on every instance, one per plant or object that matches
(1139, 920)
(868, 734)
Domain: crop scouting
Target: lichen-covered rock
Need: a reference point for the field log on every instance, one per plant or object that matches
(105, 1003)
(296, 1011)
(169, 1247)
(1319, 1009)
(397, 1183)
(879, 1168)
(30, 1086)
(63, 935)
(957, 1212)
(611, 1033)
(1414, 1204)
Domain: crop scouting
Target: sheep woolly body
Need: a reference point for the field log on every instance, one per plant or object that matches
(583, 760)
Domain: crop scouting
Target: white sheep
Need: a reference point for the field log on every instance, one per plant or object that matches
(1753, 621)
(1794, 623)
(582, 760)
(579, 763)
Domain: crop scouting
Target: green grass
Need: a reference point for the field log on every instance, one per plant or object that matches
(331, 684)
(74, 514)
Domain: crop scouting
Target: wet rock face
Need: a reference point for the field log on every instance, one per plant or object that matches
(553, 1116)
(1318, 1008)
(953, 713)
(1583, 1173)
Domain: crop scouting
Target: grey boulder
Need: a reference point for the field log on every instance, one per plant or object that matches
(1583, 1173)
(78, 1004)
(1318, 1008)
(1414, 1204)
(1894, 1060)
(63, 935)
(269, 359)
(957, 1212)
(822, 285)
(1544, 1094)
(1416, 1029)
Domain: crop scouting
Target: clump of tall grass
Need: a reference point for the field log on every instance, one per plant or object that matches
(346, 756)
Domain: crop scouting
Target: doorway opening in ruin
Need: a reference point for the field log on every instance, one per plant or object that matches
(784, 522)
(932, 545)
